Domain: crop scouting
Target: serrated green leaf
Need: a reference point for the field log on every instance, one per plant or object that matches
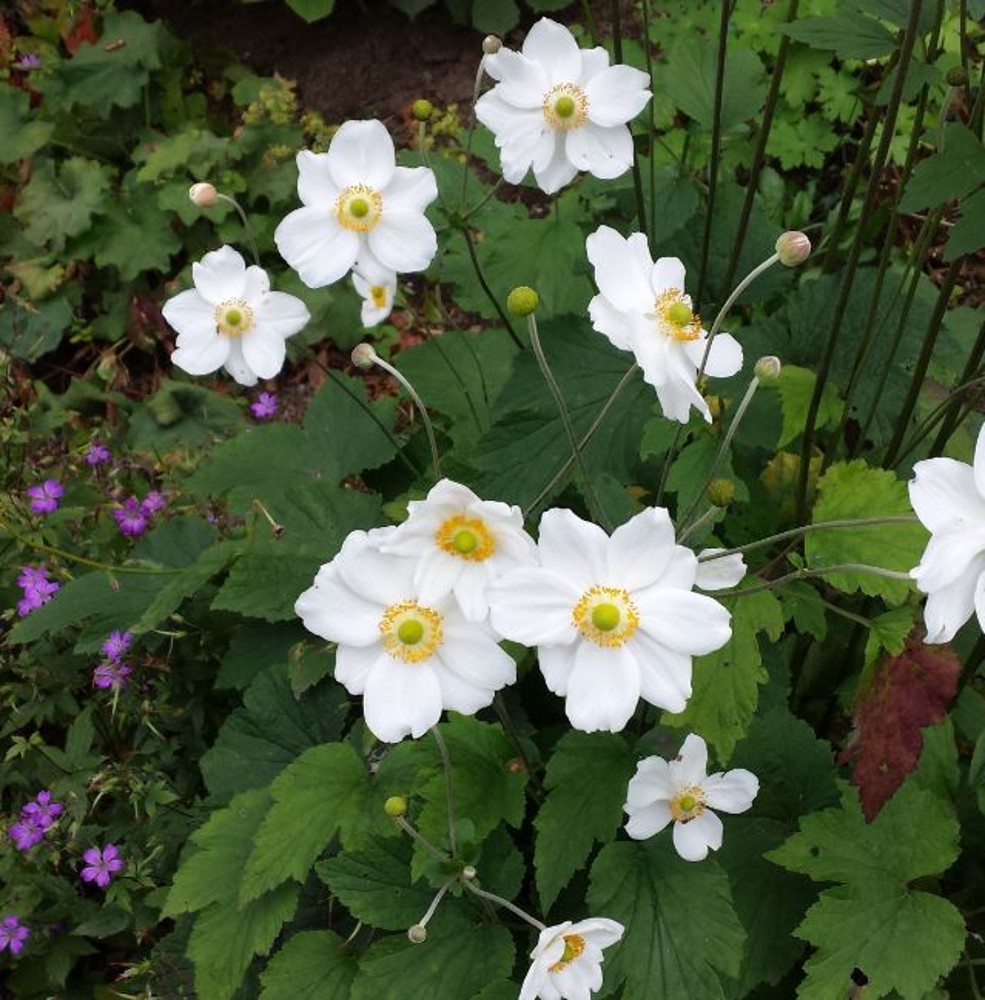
(953, 171)
(889, 632)
(850, 34)
(968, 234)
(854, 490)
(182, 415)
(586, 787)
(55, 206)
(796, 387)
(22, 137)
(30, 331)
(324, 793)
(682, 935)
(311, 966)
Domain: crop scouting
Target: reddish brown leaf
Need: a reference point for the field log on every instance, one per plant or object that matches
(907, 692)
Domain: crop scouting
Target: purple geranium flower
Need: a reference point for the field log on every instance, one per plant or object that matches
(153, 502)
(101, 865)
(25, 833)
(117, 644)
(42, 810)
(33, 580)
(13, 934)
(265, 406)
(29, 61)
(44, 498)
(97, 454)
(111, 675)
(130, 517)
(31, 576)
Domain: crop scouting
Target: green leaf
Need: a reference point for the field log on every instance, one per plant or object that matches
(968, 234)
(55, 206)
(312, 10)
(796, 387)
(497, 16)
(586, 787)
(954, 171)
(22, 137)
(182, 415)
(726, 682)
(30, 331)
(312, 965)
(682, 935)
(325, 791)
(854, 490)
(850, 34)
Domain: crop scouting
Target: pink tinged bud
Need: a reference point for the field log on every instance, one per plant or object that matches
(363, 356)
(768, 369)
(793, 248)
(203, 194)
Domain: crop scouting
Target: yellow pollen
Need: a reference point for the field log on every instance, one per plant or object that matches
(676, 318)
(565, 106)
(410, 631)
(378, 294)
(465, 537)
(606, 616)
(359, 208)
(687, 804)
(574, 945)
(233, 317)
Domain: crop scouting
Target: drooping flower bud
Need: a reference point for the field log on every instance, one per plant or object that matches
(491, 44)
(793, 248)
(469, 873)
(363, 356)
(203, 194)
(422, 110)
(768, 368)
(395, 806)
(522, 301)
(417, 934)
(721, 492)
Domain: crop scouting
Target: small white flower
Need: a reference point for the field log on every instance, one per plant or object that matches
(408, 658)
(642, 308)
(613, 619)
(682, 790)
(377, 286)
(949, 498)
(560, 109)
(231, 319)
(567, 961)
(461, 544)
(719, 573)
(358, 205)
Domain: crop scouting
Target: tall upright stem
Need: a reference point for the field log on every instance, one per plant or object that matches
(449, 788)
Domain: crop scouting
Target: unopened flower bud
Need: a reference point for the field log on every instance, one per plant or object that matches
(363, 356)
(395, 806)
(491, 44)
(203, 194)
(422, 110)
(956, 76)
(522, 301)
(417, 934)
(721, 492)
(793, 248)
(469, 873)
(767, 369)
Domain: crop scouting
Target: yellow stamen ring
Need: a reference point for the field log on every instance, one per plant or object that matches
(233, 317)
(606, 616)
(359, 208)
(675, 316)
(574, 945)
(565, 107)
(465, 537)
(410, 631)
(687, 804)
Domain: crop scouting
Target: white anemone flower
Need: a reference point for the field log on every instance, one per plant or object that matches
(461, 544)
(949, 498)
(613, 618)
(641, 307)
(376, 285)
(566, 964)
(357, 204)
(560, 109)
(231, 319)
(682, 791)
(409, 659)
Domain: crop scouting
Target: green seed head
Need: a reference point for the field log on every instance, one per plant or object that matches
(410, 632)
(522, 301)
(687, 803)
(564, 107)
(465, 541)
(956, 76)
(359, 208)
(680, 314)
(721, 492)
(422, 110)
(395, 806)
(605, 617)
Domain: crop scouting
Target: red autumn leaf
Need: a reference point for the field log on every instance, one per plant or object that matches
(907, 692)
(83, 30)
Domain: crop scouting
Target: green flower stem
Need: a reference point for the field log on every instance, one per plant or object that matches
(499, 901)
(504, 319)
(938, 414)
(422, 148)
(614, 10)
(651, 121)
(415, 836)
(569, 430)
(509, 727)
(433, 906)
(586, 13)
(487, 197)
(862, 522)
(707, 516)
(422, 409)
(807, 574)
(953, 416)
(583, 444)
(247, 228)
(449, 788)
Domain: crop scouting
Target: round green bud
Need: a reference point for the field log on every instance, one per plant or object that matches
(491, 44)
(522, 301)
(721, 492)
(417, 934)
(395, 806)
(956, 76)
(768, 368)
(363, 356)
(422, 110)
(793, 248)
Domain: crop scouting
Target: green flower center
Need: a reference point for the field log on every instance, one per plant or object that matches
(680, 314)
(234, 317)
(465, 541)
(410, 632)
(687, 804)
(564, 106)
(359, 208)
(465, 537)
(605, 617)
(574, 945)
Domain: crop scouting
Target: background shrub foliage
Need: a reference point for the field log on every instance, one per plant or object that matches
(236, 776)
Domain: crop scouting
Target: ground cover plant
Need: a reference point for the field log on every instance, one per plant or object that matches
(524, 548)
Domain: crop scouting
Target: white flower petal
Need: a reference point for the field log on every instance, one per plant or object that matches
(665, 674)
(950, 607)
(650, 783)
(552, 46)
(361, 152)
(610, 322)
(603, 152)
(690, 623)
(281, 314)
(316, 246)
(720, 573)
(236, 364)
(257, 284)
(593, 62)
(667, 273)
(201, 356)
(600, 931)
(373, 575)
(732, 792)
(556, 664)
(979, 462)
(191, 315)
(403, 240)
(603, 688)
(724, 358)
(622, 269)
(694, 838)
(639, 550)
(690, 766)
(475, 657)
(558, 171)
(948, 555)
(315, 184)
(533, 606)
(264, 352)
(220, 275)
(353, 664)
(522, 82)
(617, 95)
(943, 492)
(330, 609)
(412, 189)
(573, 549)
(401, 699)
(648, 820)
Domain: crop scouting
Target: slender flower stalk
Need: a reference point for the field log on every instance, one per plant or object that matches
(247, 228)
(418, 933)
(418, 838)
(807, 574)
(449, 787)
(500, 901)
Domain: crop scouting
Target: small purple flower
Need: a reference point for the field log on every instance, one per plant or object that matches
(29, 61)
(44, 498)
(117, 644)
(153, 502)
(13, 934)
(130, 517)
(265, 406)
(26, 833)
(42, 810)
(97, 454)
(102, 865)
(31, 576)
(111, 675)
(33, 580)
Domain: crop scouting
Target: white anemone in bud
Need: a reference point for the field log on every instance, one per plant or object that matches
(613, 618)
(461, 545)
(559, 109)
(408, 658)
(949, 498)
(376, 286)
(357, 205)
(642, 307)
(566, 964)
(681, 791)
(231, 319)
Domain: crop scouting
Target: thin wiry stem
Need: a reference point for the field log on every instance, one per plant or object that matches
(449, 788)
(247, 228)
(493, 898)
(807, 574)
